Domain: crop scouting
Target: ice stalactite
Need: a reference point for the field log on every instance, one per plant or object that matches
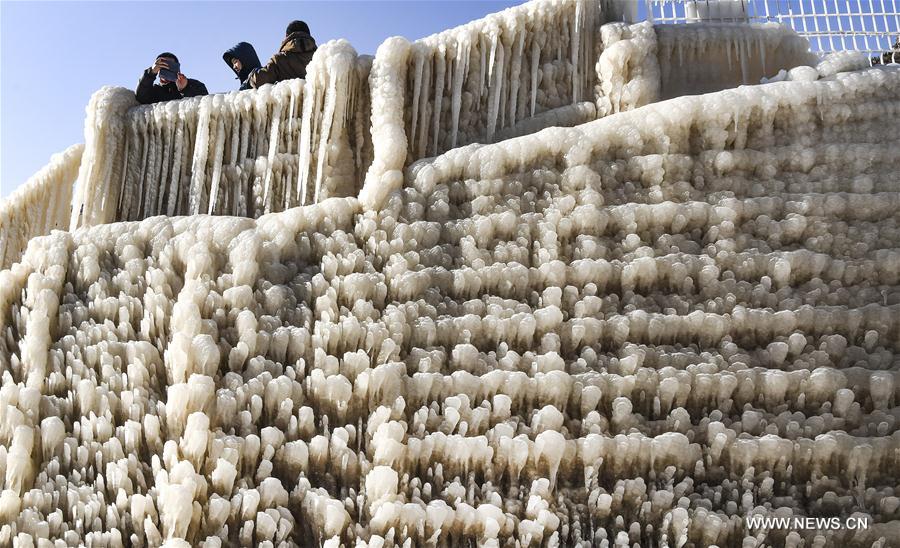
(101, 173)
(43, 203)
(468, 83)
(704, 57)
(388, 84)
(627, 70)
(742, 111)
(331, 110)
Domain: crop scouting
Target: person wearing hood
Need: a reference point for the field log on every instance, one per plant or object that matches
(172, 83)
(242, 59)
(296, 52)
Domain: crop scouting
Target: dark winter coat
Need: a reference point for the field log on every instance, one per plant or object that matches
(888, 57)
(244, 53)
(149, 92)
(295, 53)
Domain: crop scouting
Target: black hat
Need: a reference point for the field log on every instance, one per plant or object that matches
(297, 26)
(168, 55)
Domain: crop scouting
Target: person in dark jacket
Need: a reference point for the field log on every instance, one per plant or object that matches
(243, 61)
(290, 62)
(888, 57)
(167, 90)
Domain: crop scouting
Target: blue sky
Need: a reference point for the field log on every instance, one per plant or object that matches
(54, 55)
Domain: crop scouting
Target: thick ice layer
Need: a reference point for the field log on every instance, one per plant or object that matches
(468, 83)
(704, 57)
(640, 330)
(41, 204)
(627, 69)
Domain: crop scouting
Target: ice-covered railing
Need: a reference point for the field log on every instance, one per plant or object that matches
(705, 57)
(241, 153)
(871, 27)
(42, 204)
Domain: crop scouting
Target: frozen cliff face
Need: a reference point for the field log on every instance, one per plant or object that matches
(40, 205)
(639, 330)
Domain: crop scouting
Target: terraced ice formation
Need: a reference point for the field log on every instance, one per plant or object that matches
(487, 288)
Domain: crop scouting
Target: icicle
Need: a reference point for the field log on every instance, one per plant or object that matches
(167, 131)
(233, 129)
(494, 32)
(494, 97)
(154, 159)
(744, 48)
(141, 172)
(217, 165)
(419, 55)
(502, 78)
(305, 146)
(201, 151)
(459, 72)
(268, 195)
(515, 78)
(574, 45)
(762, 50)
(482, 70)
(422, 140)
(328, 117)
(440, 64)
(728, 54)
(535, 62)
(175, 177)
(129, 180)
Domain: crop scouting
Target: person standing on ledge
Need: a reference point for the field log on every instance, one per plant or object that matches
(172, 83)
(243, 61)
(295, 53)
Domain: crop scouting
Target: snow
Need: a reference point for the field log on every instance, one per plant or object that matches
(637, 329)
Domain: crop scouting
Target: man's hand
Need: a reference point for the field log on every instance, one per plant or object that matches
(160, 63)
(181, 82)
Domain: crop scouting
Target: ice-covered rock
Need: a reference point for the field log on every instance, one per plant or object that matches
(638, 330)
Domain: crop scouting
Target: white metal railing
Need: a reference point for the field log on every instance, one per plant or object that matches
(868, 26)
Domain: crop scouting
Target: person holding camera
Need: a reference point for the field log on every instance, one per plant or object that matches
(172, 83)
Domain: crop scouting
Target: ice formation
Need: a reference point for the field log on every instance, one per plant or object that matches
(40, 205)
(241, 153)
(641, 329)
